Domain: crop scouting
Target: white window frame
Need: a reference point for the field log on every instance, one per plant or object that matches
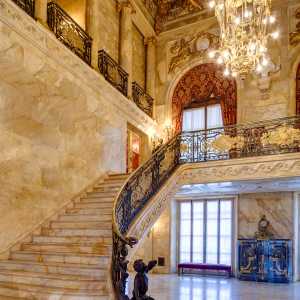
(234, 233)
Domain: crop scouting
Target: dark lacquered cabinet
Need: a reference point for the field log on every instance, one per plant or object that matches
(265, 260)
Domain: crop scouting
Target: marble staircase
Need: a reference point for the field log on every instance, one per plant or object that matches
(69, 259)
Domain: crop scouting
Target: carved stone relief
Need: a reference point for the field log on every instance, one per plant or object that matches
(295, 34)
(190, 47)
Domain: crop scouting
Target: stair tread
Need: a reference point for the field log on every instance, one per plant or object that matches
(55, 276)
(51, 264)
(46, 289)
(59, 253)
(99, 244)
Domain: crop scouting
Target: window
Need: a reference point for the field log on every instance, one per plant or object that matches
(205, 231)
(204, 117)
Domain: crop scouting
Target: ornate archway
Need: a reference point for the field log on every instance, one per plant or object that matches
(200, 83)
(298, 91)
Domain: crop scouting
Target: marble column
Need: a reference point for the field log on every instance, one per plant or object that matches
(150, 68)
(92, 27)
(126, 49)
(41, 11)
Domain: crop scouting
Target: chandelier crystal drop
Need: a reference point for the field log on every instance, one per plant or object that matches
(245, 28)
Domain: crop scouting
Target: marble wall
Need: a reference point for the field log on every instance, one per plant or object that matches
(139, 57)
(157, 243)
(278, 208)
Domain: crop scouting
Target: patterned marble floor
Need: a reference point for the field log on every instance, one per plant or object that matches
(172, 287)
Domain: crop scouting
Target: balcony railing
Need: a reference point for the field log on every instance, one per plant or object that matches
(266, 138)
(112, 72)
(142, 99)
(69, 32)
(27, 6)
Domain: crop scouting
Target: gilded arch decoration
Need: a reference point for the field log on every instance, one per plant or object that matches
(200, 83)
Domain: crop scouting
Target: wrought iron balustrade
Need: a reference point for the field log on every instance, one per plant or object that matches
(238, 141)
(69, 32)
(27, 6)
(112, 72)
(142, 99)
(265, 138)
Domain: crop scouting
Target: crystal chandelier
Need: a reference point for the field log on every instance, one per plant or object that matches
(245, 28)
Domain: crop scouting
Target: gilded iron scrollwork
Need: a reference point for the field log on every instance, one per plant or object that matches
(27, 6)
(142, 99)
(112, 72)
(69, 32)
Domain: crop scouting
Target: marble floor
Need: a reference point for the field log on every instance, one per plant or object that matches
(172, 287)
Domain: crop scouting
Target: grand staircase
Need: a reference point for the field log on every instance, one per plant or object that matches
(70, 257)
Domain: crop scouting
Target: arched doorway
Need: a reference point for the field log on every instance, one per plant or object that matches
(201, 83)
(298, 91)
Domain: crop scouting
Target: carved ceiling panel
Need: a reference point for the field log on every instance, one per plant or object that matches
(168, 10)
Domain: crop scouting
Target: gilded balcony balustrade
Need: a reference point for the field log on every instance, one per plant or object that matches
(27, 6)
(113, 72)
(142, 99)
(69, 32)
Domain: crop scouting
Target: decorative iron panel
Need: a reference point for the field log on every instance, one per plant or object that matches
(27, 6)
(69, 32)
(142, 99)
(112, 72)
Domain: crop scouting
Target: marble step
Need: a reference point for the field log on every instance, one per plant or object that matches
(92, 199)
(94, 272)
(70, 239)
(90, 211)
(84, 218)
(81, 225)
(33, 292)
(52, 280)
(117, 176)
(94, 248)
(111, 184)
(56, 257)
(94, 205)
(77, 232)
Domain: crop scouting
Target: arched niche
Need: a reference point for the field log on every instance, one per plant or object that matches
(200, 83)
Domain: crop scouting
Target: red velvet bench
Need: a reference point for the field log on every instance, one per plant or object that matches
(192, 266)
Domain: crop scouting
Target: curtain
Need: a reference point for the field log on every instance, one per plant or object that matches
(214, 116)
(200, 83)
(193, 119)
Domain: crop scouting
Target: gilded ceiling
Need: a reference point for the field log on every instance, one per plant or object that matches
(168, 10)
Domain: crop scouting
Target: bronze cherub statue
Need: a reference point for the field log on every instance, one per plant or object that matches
(141, 279)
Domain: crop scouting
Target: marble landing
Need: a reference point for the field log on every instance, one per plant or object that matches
(172, 287)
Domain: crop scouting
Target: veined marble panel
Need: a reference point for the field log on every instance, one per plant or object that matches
(278, 208)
